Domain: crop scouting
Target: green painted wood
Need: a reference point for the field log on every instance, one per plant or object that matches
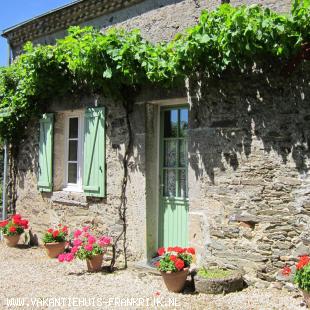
(173, 209)
(94, 153)
(45, 173)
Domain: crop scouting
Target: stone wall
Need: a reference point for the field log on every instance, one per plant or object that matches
(158, 20)
(74, 209)
(249, 183)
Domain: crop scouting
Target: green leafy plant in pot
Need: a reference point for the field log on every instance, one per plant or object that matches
(12, 229)
(301, 277)
(174, 266)
(55, 240)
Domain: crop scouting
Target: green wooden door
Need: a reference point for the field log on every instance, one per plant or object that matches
(173, 209)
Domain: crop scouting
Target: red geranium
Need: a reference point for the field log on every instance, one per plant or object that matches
(3, 223)
(179, 264)
(15, 225)
(16, 217)
(57, 235)
(161, 251)
(191, 251)
(286, 271)
(303, 261)
(12, 229)
(178, 249)
(173, 258)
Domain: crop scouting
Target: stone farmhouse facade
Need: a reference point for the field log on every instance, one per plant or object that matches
(221, 166)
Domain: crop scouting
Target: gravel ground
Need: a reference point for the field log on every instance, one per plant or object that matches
(37, 282)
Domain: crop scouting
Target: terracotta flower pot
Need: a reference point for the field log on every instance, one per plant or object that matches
(175, 281)
(53, 249)
(94, 264)
(11, 241)
(306, 297)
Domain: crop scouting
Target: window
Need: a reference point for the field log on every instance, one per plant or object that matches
(74, 153)
(84, 152)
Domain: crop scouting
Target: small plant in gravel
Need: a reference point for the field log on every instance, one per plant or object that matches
(86, 246)
(214, 273)
(55, 235)
(174, 259)
(15, 225)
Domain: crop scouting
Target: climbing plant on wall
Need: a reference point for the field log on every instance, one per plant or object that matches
(89, 61)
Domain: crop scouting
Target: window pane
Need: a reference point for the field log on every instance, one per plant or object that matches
(72, 173)
(183, 122)
(170, 123)
(182, 153)
(73, 150)
(169, 183)
(73, 127)
(183, 184)
(170, 153)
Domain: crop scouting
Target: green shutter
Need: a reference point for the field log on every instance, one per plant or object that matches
(45, 174)
(94, 152)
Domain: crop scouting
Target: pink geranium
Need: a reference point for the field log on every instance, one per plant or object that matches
(61, 257)
(77, 233)
(77, 242)
(91, 239)
(85, 245)
(69, 257)
(104, 241)
(88, 247)
(74, 249)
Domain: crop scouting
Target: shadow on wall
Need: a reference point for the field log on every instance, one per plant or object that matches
(250, 114)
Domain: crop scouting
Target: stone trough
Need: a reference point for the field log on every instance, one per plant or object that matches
(223, 285)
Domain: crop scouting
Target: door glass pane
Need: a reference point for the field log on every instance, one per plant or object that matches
(73, 127)
(170, 123)
(72, 173)
(73, 150)
(170, 156)
(183, 184)
(183, 122)
(182, 153)
(169, 183)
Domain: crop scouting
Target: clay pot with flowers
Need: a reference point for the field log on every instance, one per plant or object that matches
(301, 277)
(12, 229)
(55, 240)
(86, 246)
(174, 266)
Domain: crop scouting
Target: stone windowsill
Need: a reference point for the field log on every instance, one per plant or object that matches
(69, 198)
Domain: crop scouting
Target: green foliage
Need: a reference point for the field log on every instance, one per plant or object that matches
(49, 238)
(302, 278)
(84, 254)
(217, 273)
(170, 261)
(91, 62)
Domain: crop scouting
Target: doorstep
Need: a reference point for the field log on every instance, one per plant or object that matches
(145, 266)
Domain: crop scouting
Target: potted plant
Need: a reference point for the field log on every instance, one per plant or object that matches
(86, 246)
(173, 265)
(301, 277)
(13, 228)
(55, 240)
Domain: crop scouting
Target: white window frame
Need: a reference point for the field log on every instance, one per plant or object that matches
(72, 187)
